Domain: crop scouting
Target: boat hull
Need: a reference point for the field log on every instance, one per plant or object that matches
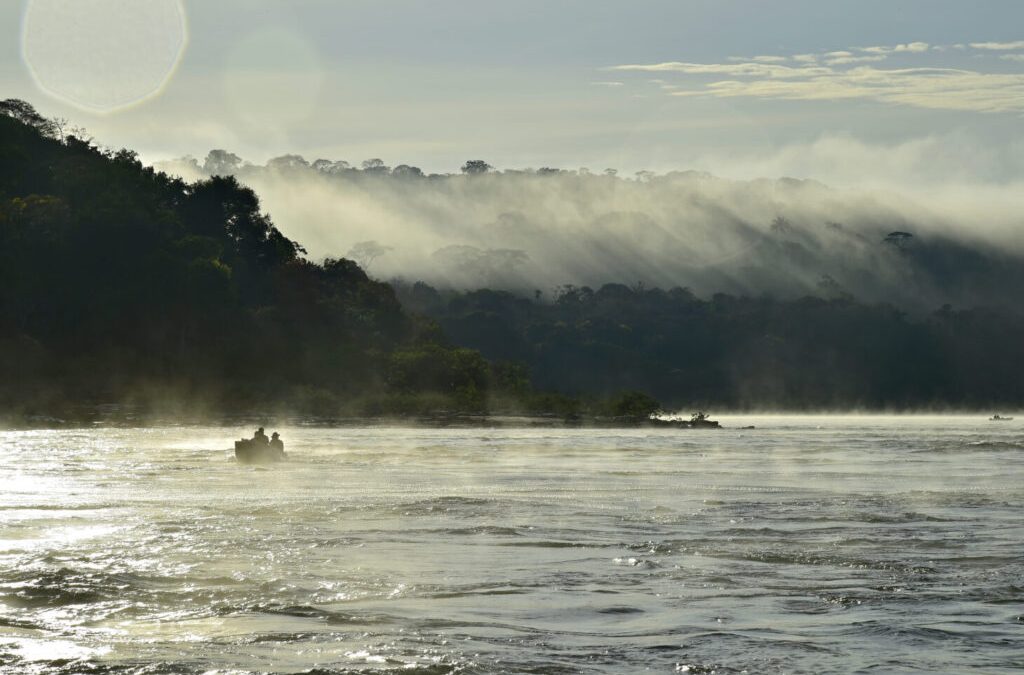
(251, 452)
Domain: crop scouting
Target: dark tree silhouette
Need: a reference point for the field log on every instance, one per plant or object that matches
(26, 114)
(898, 239)
(475, 167)
(406, 171)
(375, 166)
(221, 163)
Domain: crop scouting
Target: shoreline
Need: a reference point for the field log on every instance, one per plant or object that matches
(132, 416)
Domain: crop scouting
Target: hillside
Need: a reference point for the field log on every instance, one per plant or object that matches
(121, 284)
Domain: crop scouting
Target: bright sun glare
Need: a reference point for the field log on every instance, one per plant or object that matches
(103, 55)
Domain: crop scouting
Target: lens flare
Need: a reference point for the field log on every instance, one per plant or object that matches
(103, 55)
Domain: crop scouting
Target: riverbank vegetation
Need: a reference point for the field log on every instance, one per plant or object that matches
(810, 353)
(121, 284)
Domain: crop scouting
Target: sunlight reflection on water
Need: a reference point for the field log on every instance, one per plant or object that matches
(806, 545)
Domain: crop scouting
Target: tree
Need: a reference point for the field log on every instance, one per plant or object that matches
(475, 167)
(634, 405)
(27, 115)
(375, 166)
(288, 163)
(221, 163)
(406, 171)
(365, 252)
(898, 239)
(220, 207)
(60, 128)
(493, 266)
(330, 167)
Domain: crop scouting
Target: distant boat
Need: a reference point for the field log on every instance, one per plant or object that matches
(997, 418)
(250, 451)
(699, 420)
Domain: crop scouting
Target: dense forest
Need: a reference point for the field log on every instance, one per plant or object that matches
(812, 353)
(120, 283)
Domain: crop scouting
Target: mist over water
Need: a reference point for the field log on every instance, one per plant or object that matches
(527, 230)
(810, 544)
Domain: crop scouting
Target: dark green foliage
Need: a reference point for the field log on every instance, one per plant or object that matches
(119, 283)
(461, 373)
(476, 166)
(634, 405)
(739, 352)
(24, 113)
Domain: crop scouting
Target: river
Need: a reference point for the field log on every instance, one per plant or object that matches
(806, 545)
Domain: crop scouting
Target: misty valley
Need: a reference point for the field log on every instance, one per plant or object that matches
(126, 285)
(550, 524)
(670, 337)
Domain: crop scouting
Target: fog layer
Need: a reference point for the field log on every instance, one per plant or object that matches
(920, 245)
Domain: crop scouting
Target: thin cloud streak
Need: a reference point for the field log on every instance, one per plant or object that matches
(999, 46)
(841, 75)
(910, 47)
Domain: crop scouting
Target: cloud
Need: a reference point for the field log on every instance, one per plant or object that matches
(929, 166)
(750, 68)
(764, 58)
(1012, 57)
(608, 84)
(843, 60)
(843, 75)
(998, 46)
(910, 47)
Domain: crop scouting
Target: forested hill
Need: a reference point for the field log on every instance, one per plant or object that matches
(118, 283)
(526, 229)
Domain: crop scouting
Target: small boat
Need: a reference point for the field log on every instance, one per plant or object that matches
(250, 451)
(997, 418)
(699, 420)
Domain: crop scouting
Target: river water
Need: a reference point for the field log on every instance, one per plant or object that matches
(807, 545)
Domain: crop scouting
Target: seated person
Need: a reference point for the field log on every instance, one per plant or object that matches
(276, 443)
(260, 437)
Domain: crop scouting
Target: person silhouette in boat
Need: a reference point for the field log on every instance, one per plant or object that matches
(260, 437)
(276, 444)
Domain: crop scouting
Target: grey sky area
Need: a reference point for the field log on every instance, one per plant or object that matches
(847, 92)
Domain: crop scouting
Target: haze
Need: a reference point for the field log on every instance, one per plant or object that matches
(897, 117)
(657, 85)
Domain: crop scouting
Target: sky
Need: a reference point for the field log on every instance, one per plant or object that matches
(847, 92)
